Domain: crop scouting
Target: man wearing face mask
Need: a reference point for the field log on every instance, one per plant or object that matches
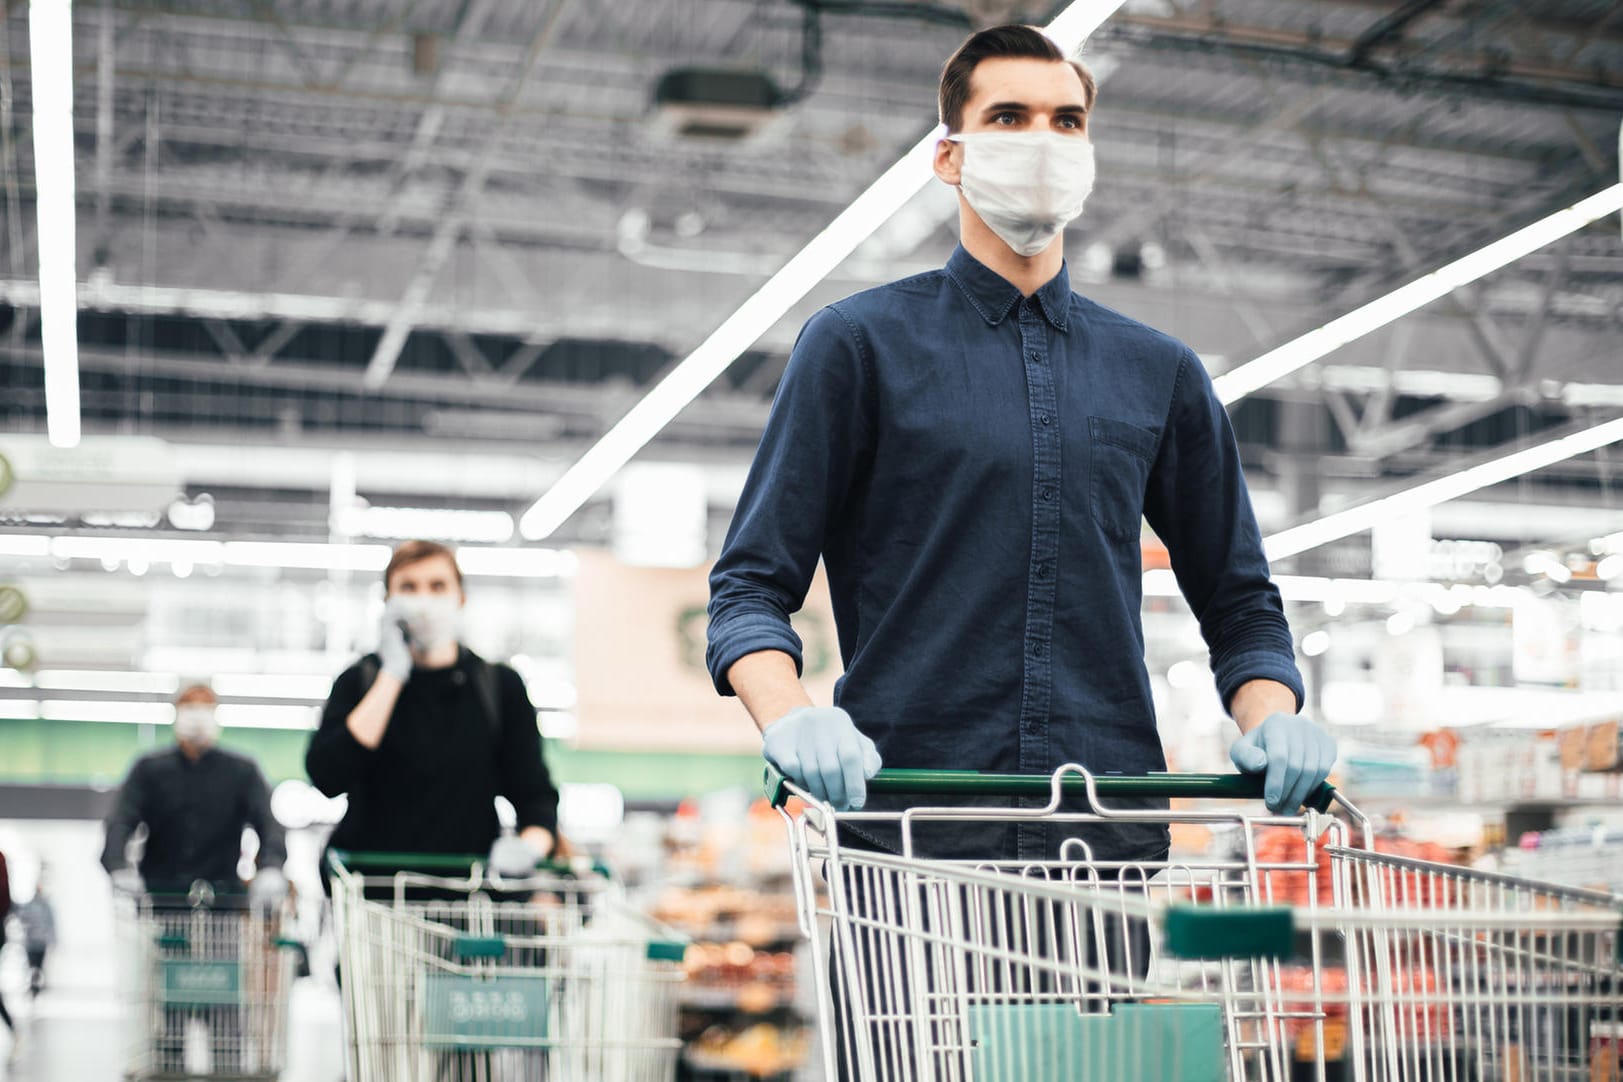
(194, 799)
(971, 452)
(424, 734)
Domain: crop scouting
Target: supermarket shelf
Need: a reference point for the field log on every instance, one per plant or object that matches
(699, 997)
(1384, 802)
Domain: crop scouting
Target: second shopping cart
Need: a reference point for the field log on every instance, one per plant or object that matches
(452, 973)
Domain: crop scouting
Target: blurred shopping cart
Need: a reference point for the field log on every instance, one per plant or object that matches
(1190, 969)
(207, 978)
(450, 973)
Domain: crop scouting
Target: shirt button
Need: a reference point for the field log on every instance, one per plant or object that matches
(1048, 493)
(1042, 571)
(1047, 419)
(1035, 355)
(1037, 649)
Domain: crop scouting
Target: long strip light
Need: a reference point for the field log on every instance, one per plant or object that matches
(1300, 352)
(826, 251)
(475, 561)
(50, 44)
(1333, 527)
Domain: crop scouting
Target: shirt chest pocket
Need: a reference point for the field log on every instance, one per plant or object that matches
(1119, 457)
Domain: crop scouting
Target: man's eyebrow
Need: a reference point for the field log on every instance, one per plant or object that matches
(1022, 107)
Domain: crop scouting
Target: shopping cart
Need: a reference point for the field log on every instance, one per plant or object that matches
(451, 972)
(207, 977)
(1184, 970)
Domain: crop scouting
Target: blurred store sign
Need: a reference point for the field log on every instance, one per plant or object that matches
(103, 475)
(639, 659)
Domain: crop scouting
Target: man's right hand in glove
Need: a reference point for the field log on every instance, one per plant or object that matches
(819, 749)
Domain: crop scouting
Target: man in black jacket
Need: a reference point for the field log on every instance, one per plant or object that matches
(424, 734)
(194, 799)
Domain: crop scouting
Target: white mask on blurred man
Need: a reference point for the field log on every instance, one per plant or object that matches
(197, 725)
(431, 620)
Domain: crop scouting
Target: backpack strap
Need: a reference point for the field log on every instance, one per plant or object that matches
(485, 687)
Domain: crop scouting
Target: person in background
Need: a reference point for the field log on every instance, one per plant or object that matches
(194, 799)
(5, 909)
(38, 921)
(424, 734)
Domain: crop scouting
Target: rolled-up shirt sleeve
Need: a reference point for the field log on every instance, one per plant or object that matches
(819, 431)
(1198, 503)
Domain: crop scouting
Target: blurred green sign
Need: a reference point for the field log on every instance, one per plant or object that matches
(465, 1011)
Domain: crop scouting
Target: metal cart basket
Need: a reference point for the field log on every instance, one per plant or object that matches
(1183, 970)
(207, 979)
(450, 973)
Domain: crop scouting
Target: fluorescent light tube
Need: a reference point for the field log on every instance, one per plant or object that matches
(1333, 527)
(50, 45)
(1300, 352)
(826, 251)
(476, 561)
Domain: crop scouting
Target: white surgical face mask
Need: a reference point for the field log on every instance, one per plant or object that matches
(1026, 186)
(197, 725)
(431, 620)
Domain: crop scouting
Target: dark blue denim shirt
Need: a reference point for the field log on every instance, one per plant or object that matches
(973, 467)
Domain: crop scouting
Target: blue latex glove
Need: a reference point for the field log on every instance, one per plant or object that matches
(1296, 754)
(268, 890)
(819, 749)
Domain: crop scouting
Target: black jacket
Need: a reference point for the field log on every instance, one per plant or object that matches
(431, 785)
(194, 815)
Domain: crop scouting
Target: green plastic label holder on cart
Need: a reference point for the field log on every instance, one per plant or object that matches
(468, 1012)
(1144, 1042)
(200, 983)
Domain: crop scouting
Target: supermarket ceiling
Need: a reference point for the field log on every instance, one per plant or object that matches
(494, 222)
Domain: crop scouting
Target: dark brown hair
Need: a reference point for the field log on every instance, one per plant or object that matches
(415, 552)
(1020, 42)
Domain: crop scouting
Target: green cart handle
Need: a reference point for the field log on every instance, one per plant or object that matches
(974, 783)
(389, 862)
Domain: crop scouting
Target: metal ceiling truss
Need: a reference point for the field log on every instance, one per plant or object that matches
(451, 176)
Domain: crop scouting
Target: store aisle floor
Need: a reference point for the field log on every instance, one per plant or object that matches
(76, 1030)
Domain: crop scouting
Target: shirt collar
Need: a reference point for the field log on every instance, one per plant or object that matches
(994, 296)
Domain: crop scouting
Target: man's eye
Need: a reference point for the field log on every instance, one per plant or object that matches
(1004, 117)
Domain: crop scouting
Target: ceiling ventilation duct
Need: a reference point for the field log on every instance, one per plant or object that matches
(724, 105)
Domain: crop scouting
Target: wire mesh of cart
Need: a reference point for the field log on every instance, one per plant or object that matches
(207, 979)
(451, 972)
(953, 970)
(1475, 975)
(1394, 971)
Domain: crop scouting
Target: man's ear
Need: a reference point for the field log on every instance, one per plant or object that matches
(949, 159)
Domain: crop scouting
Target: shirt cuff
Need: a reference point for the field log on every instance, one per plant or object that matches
(1259, 665)
(747, 634)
